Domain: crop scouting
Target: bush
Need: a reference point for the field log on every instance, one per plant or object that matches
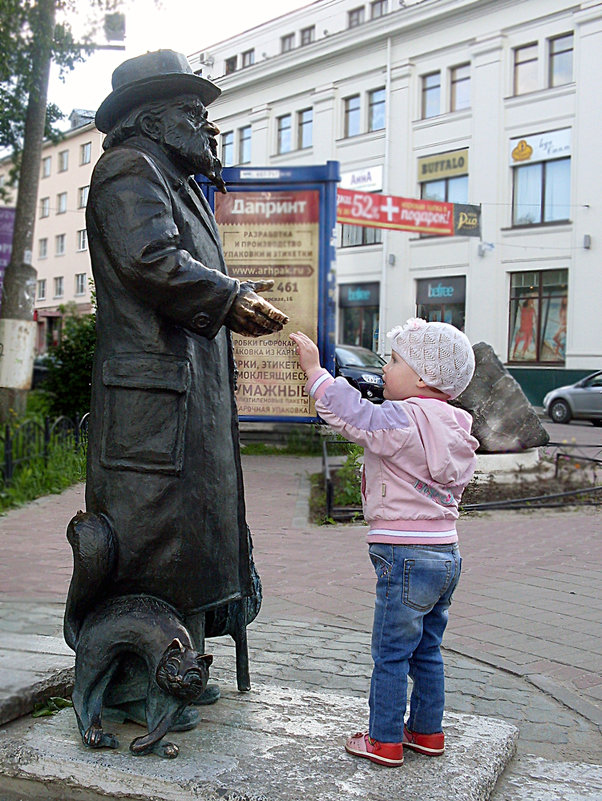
(67, 385)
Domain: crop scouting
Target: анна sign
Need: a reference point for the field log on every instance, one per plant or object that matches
(274, 235)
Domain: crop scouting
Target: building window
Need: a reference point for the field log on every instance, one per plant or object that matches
(431, 95)
(305, 123)
(308, 35)
(538, 315)
(525, 69)
(80, 283)
(285, 139)
(352, 115)
(82, 239)
(287, 42)
(61, 203)
(460, 87)
(244, 144)
(85, 153)
(446, 190)
(231, 64)
(46, 163)
(378, 9)
(59, 245)
(42, 289)
(542, 193)
(352, 236)
(248, 58)
(63, 160)
(358, 318)
(355, 17)
(82, 196)
(58, 287)
(376, 110)
(561, 60)
(228, 148)
(44, 207)
(43, 248)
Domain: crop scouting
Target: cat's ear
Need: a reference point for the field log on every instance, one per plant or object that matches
(175, 643)
(207, 658)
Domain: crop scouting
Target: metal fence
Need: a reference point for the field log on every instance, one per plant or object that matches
(22, 443)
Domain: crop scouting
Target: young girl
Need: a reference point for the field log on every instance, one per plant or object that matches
(418, 457)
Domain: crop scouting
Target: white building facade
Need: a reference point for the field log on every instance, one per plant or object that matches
(487, 102)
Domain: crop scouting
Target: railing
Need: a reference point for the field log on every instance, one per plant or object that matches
(25, 442)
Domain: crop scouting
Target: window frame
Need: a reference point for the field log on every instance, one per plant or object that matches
(44, 207)
(454, 82)
(242, 144)
(356, 17)
(63, 158)
(347, 115)
(59, 283)
(247, 58)
(227, 148)
(372, 106)
(85, 153)
(287, 43)
(80, 284)
(281, 131)
(426, 93)
(61, 203)
(542, 195)
(82, 240)
(59, 239)
(230, 65)
(302, 127)
(43, 250)
(542, 292)
(361, 233)
(82, 196)
(41, 289)
(307, 35)
(46, 166)
(381, 5)
(517, 64)
(560, 53)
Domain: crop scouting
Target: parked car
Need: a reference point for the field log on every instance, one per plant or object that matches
(580, 401)
(362, 368)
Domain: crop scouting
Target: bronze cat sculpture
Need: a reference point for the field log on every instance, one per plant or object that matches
(151, 630)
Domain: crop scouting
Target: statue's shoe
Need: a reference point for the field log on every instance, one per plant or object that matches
(210, 695)
(135, 712)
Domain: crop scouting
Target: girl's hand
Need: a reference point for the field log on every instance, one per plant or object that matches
(309, 356)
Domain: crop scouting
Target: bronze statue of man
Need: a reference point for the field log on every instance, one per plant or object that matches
(164, 473)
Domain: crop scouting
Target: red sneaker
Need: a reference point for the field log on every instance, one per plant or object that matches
(389, 754)
(429, 744)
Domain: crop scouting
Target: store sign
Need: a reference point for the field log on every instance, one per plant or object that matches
(359, 294)
(405, 214)
(368, 180)
(439, 291)
(443, 165)
(273, 235)
(540, 147)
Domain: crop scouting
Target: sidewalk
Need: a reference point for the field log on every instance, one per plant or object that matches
(523, 642)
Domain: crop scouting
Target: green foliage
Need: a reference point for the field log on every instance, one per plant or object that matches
(348, 484)
(51, 706)
(67, 385)
(64, 466)
(305, 442)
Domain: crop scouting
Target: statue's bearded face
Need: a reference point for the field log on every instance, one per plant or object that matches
(190, 137)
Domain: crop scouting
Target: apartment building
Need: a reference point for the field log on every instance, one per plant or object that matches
(488, 102)
(60, 252)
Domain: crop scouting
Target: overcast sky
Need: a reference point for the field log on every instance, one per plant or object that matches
(182, 25)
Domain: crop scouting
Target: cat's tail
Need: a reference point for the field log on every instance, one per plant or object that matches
(93, 543)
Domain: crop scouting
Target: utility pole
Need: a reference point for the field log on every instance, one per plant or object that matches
(17, 327)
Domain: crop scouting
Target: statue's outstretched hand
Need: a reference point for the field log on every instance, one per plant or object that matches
(251, 314)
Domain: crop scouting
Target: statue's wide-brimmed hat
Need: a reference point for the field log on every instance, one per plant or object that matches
(152, 76)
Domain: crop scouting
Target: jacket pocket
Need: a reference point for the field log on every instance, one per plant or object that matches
(144, 413)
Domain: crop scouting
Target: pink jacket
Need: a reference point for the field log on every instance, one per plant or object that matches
(418, 457)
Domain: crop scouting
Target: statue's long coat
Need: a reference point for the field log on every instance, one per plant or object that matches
(163, 458)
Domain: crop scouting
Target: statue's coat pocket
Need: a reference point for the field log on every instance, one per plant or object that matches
(144, 414)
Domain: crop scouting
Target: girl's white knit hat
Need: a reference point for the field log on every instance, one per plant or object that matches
(438, 353)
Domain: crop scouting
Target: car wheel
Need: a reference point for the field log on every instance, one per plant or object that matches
(560, 412)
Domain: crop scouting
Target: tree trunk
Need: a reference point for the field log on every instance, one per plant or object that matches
(17, 328)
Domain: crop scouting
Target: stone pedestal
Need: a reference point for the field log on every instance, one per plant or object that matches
(272, 744)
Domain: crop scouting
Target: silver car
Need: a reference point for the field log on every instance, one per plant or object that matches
(580, 401)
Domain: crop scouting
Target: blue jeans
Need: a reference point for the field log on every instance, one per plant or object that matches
(414, 587)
